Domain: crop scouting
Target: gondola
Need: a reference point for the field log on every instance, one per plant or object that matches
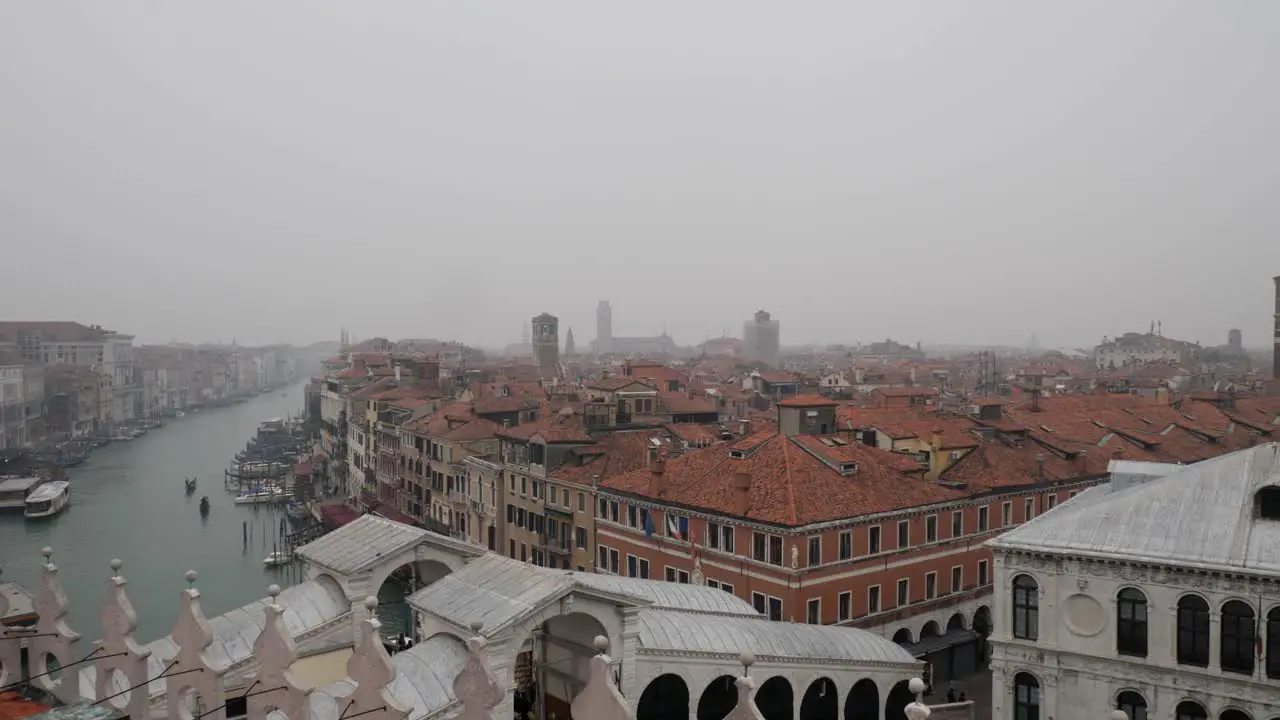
(204, 505)
(191, 485)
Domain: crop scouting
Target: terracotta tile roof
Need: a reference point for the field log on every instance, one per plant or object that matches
(777, 377)
(615, 383)
(794, 481)
(956, 432)
(915, 391)
(51, 331)
(694, 434)
(807, 401)
(15, 707)
(614, 454)
(499, 404)
(684, 405)
(561, 427)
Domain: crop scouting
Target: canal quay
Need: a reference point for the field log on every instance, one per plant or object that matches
(128, 502)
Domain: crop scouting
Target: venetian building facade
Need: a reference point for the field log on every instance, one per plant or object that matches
(1158, 595)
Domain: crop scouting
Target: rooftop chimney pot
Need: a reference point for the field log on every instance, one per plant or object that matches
(741, 493)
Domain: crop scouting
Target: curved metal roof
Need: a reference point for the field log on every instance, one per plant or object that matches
(492, 589)
(424, 679)
(360, 543)
(671, 596)
(668, 631)
(306, 606)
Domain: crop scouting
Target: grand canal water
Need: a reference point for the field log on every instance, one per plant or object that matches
(128, 502)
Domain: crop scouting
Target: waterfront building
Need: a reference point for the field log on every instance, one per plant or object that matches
(488, 628)
(434, 451)
(1158, 594)
(13, 421)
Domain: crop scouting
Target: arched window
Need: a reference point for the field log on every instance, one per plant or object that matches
(1131, 625)
(1026, 608)
(1234, 714)
(1239, 638)
(1273, 643)
(1193, 631)
(1133, 705)
(1191, 710)
(1026, 697)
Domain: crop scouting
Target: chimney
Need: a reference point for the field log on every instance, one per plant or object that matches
(741, 493)
(744, 427)
(935, 438)
(652, 456)
(656, 469)
(1035, 399)
(397, 373)
(1040, 458)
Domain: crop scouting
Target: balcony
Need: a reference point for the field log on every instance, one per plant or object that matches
(555, 546)
(457, 498)
(481, 509)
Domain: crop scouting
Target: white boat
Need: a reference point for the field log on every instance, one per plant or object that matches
(49, 499)
(15, 490)
(261, 497)
(179, 414)
(279, 557)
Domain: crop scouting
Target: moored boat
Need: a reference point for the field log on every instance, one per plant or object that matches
(279, 557)
(260, 497)
(204, 505)
(48, 499)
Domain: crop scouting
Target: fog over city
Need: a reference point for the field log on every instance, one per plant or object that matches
(977, 172)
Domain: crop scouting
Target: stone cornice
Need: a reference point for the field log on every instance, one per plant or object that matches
(734, 658)
(1143, 572)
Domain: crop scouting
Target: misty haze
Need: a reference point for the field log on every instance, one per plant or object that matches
(580, 360)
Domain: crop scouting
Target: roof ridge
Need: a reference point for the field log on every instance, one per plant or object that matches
(791, 486)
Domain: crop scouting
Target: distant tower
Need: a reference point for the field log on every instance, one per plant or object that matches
(1275, 357)
(604, 326)
(568, 343)
(1235, 339)
(546, 341)
(760, 338)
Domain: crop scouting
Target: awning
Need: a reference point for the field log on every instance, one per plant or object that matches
(337, 514)
(391, 513)
(959, 636)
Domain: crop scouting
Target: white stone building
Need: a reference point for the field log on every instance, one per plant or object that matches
(1158, 594)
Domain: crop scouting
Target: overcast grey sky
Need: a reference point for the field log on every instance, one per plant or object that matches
(945, 172)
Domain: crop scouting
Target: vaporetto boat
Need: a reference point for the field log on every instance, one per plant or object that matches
(48, 499)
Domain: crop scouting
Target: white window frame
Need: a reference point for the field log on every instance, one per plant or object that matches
(957, 586)
(845, 598)
(878, 606)
(927, 576)
(808, 609)
(899, 594)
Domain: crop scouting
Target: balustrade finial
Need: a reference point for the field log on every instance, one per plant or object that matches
(1119, 715)
(917, 710)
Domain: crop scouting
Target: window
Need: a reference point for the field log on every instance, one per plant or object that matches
(904, 534)
(844, 606)
(757, 601)
(726, 587)
(1026, 697)
(631, 516)
(1052, 501)
(644, 569)
(846, 545)
(613, 510)
(775, 550)
(671, 574)
(1239, 639)
(1191, 710)
(815, 551)
(633, 568)
(813, 612)
(582, 502)
(904, 592)
(513, 549)
(1131, 625)
(982, 573)
(984, 520)
(565, 497)
(931, 529)
(1028, 509)
(775, 608)
(873, 599)
(520, 517)
(759, 546)
(580, 538)
(957, 524)
(524, 552)
(1026, 608)
(1006, 514)
(726, 538)
(1273, 643)
(931, 586)
(524, 486)
(1193, 631)
(873, 540)
(957, 579)
(511, 514)
(1133, 705)
(713, 536)
(604, 509)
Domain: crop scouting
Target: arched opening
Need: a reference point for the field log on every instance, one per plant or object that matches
(821, 701)
(666, 696)
(982, 625)
(1131, 623)
(903, 636)
(863, 702)
(1234, 714)
(1266, 502)
(775, 699)
(895, 707)
(1026, 697)
(1193, 631)
(1239, 638)
(956, 622)
(1026, 608)
(1191, 710)
(1133, 705)
(393, 611)
(718, 699)
(1273, 643)
(567, 644)
(929, 630)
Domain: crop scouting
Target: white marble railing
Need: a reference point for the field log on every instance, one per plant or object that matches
(194, 688)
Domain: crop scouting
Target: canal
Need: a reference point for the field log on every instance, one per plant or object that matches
(128, 502)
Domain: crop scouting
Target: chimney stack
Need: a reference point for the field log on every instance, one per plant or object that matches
(935, 438)
(653, 455)
(397, 373)
(1040, 458)
(656, 469)
(744, 427)
(741, 493)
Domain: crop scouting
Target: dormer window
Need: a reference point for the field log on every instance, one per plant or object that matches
(1267, 502)
(848, 468)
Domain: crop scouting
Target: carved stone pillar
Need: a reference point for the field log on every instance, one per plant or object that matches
(1215, 640)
